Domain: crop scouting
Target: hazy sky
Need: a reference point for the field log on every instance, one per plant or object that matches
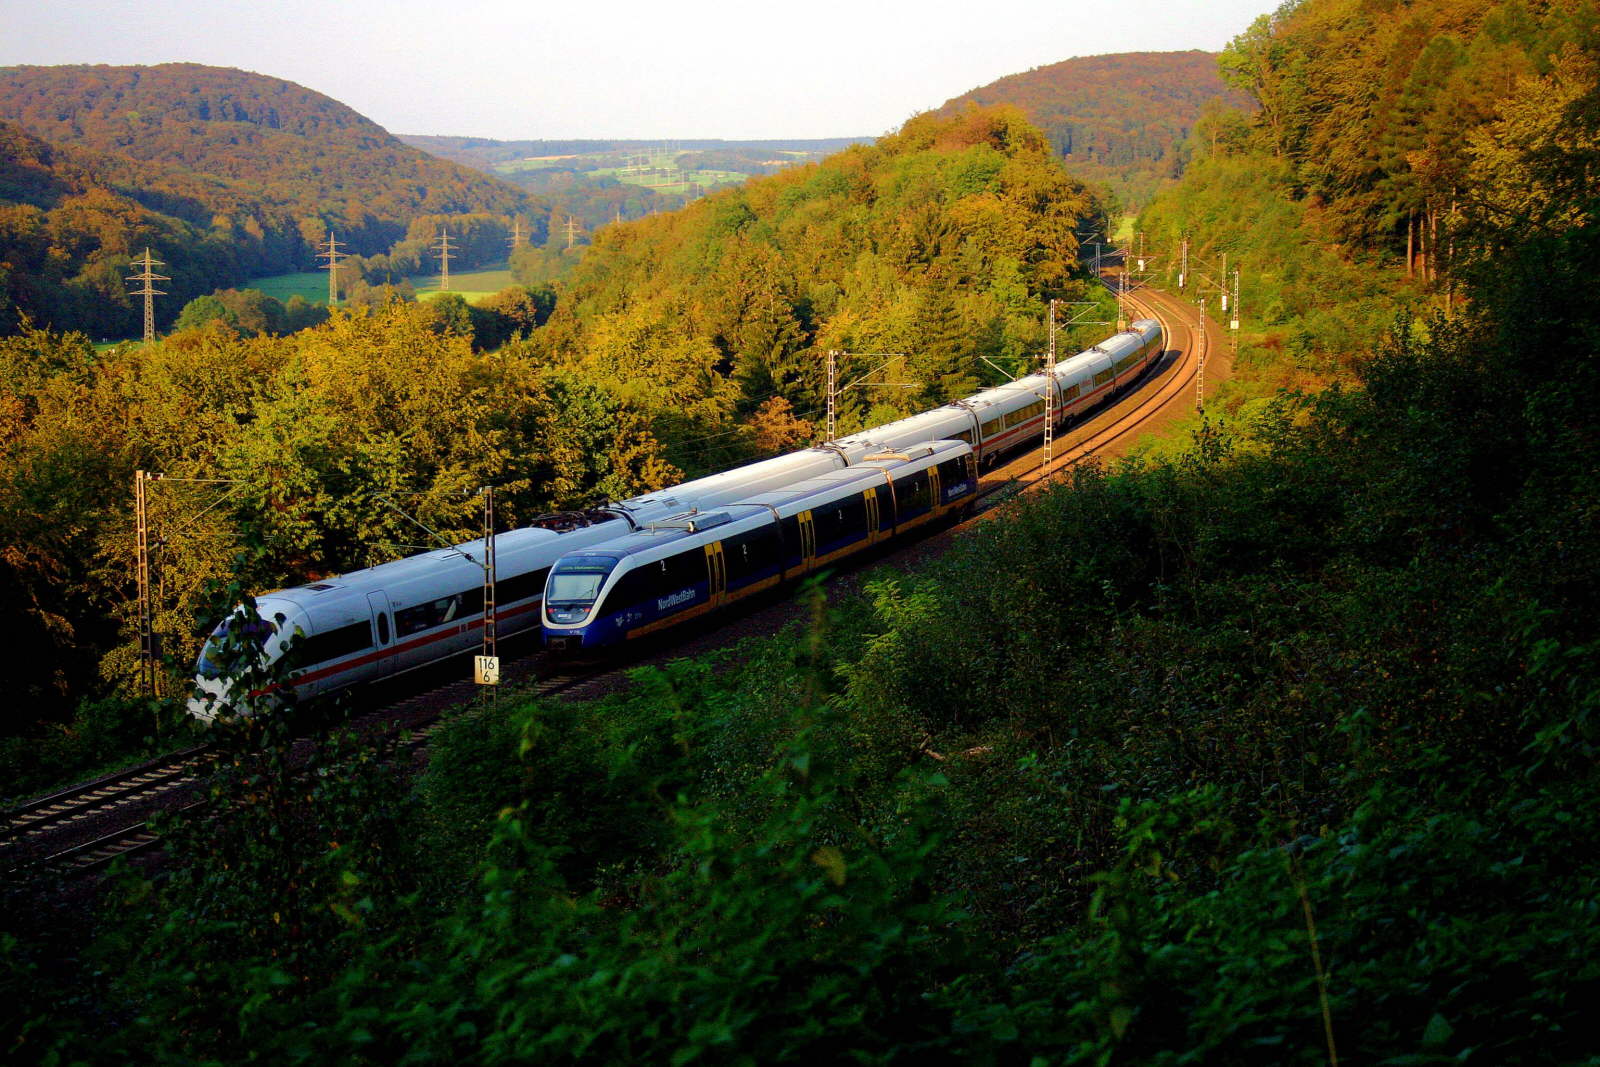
(620, 68)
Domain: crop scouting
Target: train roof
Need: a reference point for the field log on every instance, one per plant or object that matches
(509, 547)
(747, 514)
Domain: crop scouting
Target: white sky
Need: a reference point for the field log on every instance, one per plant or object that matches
(643, 69)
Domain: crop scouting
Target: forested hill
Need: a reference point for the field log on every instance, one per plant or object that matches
(1120, 120)
(225, 173)
(1394, 154)
(942, 241)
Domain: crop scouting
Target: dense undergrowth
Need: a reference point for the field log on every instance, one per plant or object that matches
(1282, 747)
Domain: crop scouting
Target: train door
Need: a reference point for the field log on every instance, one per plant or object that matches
(874, 532)
(717, 571)
(808, 542)
(936, 494)
(383, 635)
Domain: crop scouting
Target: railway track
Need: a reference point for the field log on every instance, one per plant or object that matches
(138, 790)
(110, 813)
(1167, 388)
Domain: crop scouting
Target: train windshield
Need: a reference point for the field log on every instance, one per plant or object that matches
(577, 579)
(216, 655)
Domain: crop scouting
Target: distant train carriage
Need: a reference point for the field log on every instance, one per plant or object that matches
(688, 566)
(1011, 416)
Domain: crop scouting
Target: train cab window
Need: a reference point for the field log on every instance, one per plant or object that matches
(255, 632)
(577, 579)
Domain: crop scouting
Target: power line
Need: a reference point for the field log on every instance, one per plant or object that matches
(148, 277)
(444, 249)
(333, 255)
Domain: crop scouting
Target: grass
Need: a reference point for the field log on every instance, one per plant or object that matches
(471, 285)
(650, 179)
(313, 285)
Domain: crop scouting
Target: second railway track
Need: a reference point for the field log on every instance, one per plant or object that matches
(84, 828)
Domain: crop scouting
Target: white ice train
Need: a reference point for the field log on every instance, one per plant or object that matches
(1000, 419)
(370, 624)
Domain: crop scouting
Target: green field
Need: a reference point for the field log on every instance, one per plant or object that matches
(313, 285)
(473, 285)
(651, 179)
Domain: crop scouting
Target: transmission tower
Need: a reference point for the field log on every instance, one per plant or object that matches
(444, 249)
(572, 231)
(147, 278)
(333, 255)
(516, 234)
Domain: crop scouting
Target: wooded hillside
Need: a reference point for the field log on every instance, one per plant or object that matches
(223, 173)
(1119, 120)
(928, 252)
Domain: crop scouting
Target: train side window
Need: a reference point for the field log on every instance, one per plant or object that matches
(683, 570)
(953, 472)
(339, 642)
(853, 516)
(992, 427)
(912, 494)
(408, 621)
(751, 553)
(521, 587)
(640, 584)
(789, 532)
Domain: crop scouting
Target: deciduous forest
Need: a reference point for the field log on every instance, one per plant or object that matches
(223, 174)
(1121, 121)
(1274, 745)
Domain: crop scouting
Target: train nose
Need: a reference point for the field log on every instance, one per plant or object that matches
(210, 699)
